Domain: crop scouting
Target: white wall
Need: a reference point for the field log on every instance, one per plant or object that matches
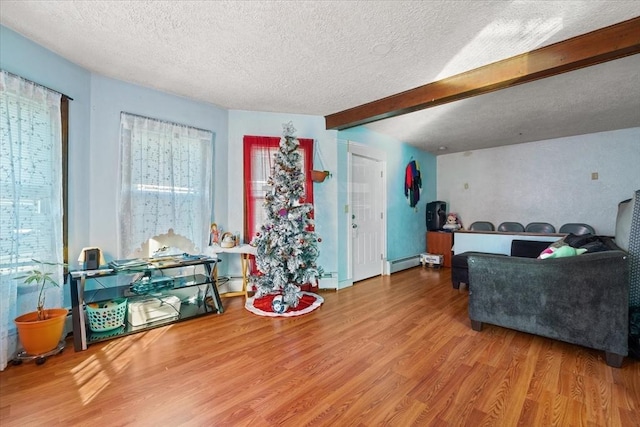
(548, 181)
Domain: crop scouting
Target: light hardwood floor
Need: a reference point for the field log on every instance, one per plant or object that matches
(394, 351)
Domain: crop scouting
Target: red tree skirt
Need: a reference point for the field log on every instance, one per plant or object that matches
(262, 306)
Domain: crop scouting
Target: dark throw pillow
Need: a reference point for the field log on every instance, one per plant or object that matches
(578, 241)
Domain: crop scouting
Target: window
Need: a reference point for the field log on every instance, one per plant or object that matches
(32, 173)
(258, 160)
(166, 174)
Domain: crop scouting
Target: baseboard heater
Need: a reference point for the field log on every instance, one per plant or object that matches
(396, 265)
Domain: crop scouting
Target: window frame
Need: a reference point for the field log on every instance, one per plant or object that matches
(251, 144)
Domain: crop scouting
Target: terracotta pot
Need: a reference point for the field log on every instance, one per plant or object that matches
(319, 176)
(41, 336)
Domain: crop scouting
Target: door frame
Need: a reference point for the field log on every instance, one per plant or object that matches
(354, 148)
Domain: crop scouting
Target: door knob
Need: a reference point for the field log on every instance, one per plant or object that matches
(354, 225)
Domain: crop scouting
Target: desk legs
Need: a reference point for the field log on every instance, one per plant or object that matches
(244, 260)
(213, 274)
(77, 313)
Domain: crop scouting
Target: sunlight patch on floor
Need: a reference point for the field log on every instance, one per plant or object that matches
(154, 334)
(92, 376)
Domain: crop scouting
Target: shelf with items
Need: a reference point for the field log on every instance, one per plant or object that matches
(156, 292)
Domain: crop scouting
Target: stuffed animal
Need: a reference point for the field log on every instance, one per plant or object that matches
(560, 252)
(453, 222)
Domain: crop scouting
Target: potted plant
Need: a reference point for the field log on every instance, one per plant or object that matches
(40, 331)
(319, 176)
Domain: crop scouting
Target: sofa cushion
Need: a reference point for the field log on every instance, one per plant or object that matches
(578, 241)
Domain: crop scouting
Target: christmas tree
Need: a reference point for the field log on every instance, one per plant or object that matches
(287, 246)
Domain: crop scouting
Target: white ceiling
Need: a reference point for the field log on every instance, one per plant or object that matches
(322, 57)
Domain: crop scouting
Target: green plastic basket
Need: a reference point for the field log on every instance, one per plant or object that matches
(107, 315)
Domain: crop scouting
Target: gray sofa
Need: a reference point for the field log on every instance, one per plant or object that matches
(582, 300)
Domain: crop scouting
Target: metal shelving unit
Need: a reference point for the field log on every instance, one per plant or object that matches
(169, 272)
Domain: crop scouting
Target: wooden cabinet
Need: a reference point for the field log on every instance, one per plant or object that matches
(440, 243)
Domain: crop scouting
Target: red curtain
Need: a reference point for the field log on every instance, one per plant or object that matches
(258, 159)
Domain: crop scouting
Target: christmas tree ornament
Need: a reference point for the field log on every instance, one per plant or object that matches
(278, 305)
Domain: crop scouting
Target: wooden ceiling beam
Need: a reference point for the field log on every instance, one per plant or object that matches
(606, 44)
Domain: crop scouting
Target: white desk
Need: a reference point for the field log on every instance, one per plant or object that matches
(245, 252)
(496, 242)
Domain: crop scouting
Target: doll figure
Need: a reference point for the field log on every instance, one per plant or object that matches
(214, 237)
(453, 222)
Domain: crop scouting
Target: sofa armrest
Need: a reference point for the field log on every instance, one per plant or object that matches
(582, 300)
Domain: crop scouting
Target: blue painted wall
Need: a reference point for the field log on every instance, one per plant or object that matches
(108, 98)
(21, 56)
(405, 225)
(94, 140)
(94, 135)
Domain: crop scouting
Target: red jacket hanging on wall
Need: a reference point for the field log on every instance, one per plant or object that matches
(412, 183)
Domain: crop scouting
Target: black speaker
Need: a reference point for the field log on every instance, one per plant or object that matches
(91, 259)
(436, 215)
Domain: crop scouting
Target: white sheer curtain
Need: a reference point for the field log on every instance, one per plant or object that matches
(166, 181)
(261, 164)
(30, 198)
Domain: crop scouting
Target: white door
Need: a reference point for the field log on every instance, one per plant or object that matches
(368, 222)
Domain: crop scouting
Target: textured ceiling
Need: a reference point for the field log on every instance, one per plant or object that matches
(321, 57)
